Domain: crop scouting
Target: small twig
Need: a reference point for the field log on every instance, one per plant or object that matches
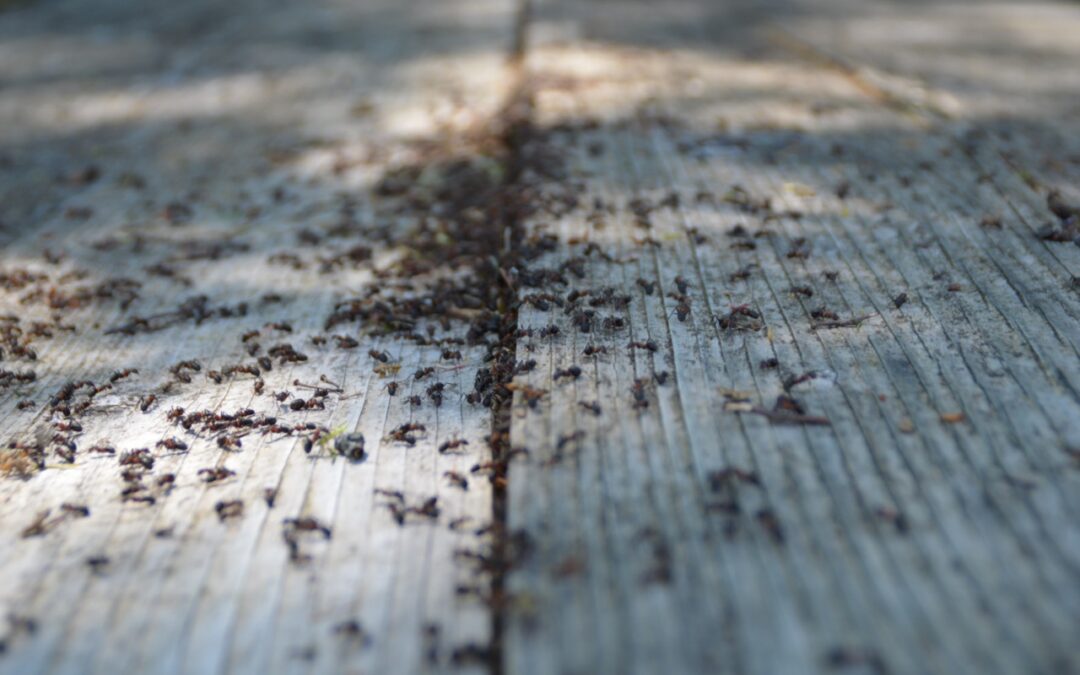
(841, 323)
(791, 418)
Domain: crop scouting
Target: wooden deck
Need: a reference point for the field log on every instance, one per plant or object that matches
(566, 337)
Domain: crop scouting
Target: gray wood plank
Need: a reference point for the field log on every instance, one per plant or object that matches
(253, 153)
(928, 525)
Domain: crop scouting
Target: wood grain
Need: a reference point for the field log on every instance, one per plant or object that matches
(926, 527)
(795, 388)
(208, 138)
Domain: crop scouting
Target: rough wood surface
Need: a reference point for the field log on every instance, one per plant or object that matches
(250, 153)
(788, 469)
(765, 305)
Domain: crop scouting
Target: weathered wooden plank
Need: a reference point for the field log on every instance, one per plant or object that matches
(966, 59)
(999, 77)
(774, 465)
(927, 524)
(253, 154)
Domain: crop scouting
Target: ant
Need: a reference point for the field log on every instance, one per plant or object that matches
(573, 372)
(140, 457)
(638, 392)
(404, 433)
(229, 443)
(346, 342)
(649, 345)
(121, 374)
(146, 402)
(172, 443)
(457, 479)
(452, 444)
(233, 508)
(305, 524)
(591, 406)
(215, 474)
